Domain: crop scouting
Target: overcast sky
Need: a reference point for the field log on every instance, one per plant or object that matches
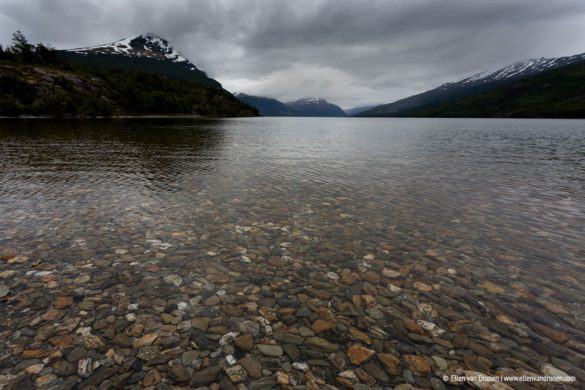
(349, 52)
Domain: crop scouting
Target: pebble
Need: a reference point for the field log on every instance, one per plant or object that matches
(270, 350)
(228, 338)
(173, 279)
(62, 302)
(145, 340)
(440, 362)
(85, 367)
(252, 366)
(34, 368)
(301, 366)
(236, 374)
(358, 354)
(282, 378)
(200, 323)
(205, 377)
(82, 279)
(419, 365)
(391, 362)
(550, 370)
(152, 378)
(322, 344)
(46, 381)
(244, 342)
(320, 326)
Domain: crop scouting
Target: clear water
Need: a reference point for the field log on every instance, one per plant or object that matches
(482, 187)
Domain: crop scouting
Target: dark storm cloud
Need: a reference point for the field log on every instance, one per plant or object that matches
(351, 52)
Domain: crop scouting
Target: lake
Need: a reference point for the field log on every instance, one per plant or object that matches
(447, 244)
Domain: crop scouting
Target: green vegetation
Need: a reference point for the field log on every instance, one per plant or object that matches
(558, 93)
(24, 52)
(150, 65)
(35, 80)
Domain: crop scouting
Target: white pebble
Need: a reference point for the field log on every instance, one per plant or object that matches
(304, 367)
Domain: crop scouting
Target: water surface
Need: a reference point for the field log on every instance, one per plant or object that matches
(467, 224)
(498, 187)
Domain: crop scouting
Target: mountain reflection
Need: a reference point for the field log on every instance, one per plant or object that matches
(158, 154)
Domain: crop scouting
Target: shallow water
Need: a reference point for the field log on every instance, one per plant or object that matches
(500, 187)
(498, 201)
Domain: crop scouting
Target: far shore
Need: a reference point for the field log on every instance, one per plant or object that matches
(111, 117)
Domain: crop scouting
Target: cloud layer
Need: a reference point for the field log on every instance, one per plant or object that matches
(350, 52)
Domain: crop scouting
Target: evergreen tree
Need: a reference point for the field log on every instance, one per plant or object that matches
(6, 54)
(45, 54)
(21, 48)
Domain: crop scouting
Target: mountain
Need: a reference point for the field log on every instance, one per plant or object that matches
(478, 83)
(147, 52)
(356, 110)
(303, 107)
(558, 93)
(315, 107)
(266, 106)
(142, 75)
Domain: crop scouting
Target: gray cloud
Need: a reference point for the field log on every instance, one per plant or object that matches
(350, 52)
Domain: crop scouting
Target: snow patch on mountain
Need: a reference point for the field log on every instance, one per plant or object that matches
(310, 100)
(517, 70)
(145, 45)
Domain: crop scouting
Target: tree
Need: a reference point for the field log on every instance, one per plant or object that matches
(5, 54)
(21, 48)
(45, 54)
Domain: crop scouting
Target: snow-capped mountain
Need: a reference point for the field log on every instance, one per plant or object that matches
(145, 51)
(468, 86)
(310, 100)
(313, 106)
(145, 45)
(517, 70)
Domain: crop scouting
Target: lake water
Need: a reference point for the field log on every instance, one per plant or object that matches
(483, 217)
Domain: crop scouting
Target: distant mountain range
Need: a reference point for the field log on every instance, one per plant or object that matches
(503, 86)
(545, 87)
(303, 107)
(145, 75)
(356, 110)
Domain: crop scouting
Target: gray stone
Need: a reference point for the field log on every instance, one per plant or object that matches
(288, 338)
(4, 290)
(270, 350)
(205, 377)
(252, 366)
(322, 344)
(99, 376)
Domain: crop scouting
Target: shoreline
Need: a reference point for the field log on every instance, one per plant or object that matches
(124, 117)
(260, 116)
